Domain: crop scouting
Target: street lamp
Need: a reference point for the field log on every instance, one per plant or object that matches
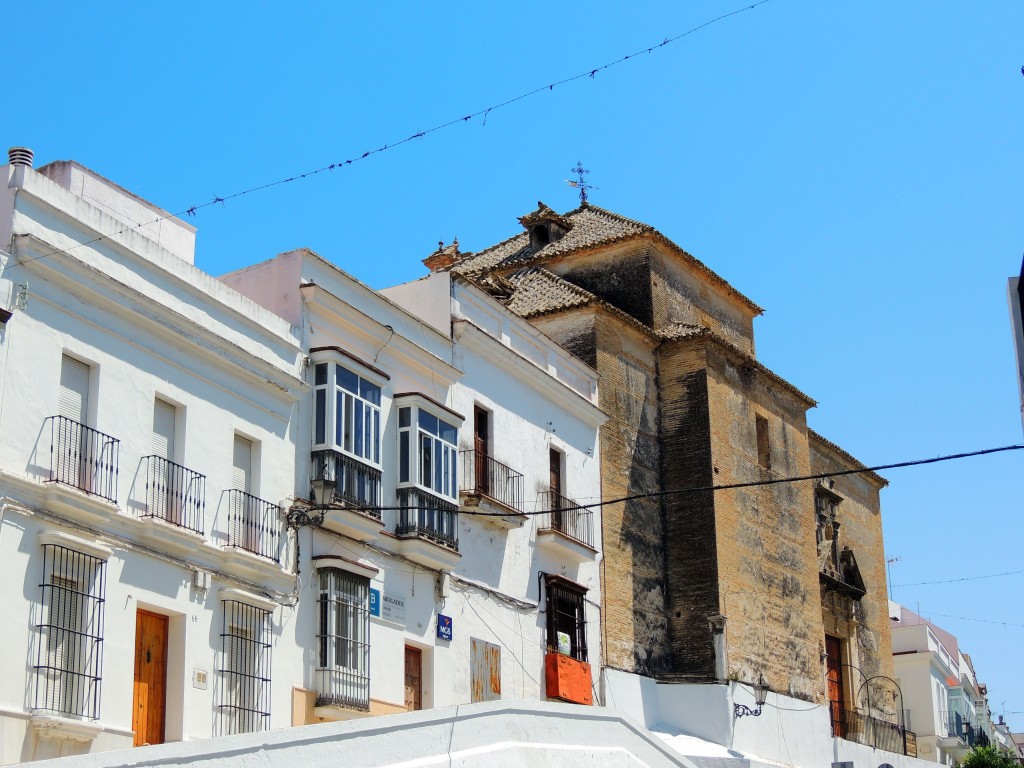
(760, 695)
(323, 493)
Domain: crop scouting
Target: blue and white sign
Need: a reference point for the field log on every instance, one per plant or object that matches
(374, 602)
(444, 626)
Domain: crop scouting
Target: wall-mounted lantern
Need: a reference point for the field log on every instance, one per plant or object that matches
(760, 696)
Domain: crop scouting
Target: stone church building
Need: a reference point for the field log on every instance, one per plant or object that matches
(778, 582)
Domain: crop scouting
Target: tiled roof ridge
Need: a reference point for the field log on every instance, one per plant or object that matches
(846, 455)
(611, 215)
(583, 293)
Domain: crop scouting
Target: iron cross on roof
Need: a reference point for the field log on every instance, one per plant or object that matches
(581, 185)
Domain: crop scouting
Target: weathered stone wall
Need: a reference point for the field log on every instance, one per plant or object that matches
(621, 275)
(860, 529)
(691, 552)
(682, 295)
(633, 587)
(767, 547)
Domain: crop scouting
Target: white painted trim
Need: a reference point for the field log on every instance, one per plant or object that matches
(61, 539)
(344, 564)
(241, 596)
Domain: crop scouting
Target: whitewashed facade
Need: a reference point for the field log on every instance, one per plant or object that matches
(146, 464)
(441, 416)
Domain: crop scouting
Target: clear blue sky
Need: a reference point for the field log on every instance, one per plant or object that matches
(853, 167)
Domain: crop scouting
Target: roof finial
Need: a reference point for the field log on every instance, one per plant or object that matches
(581, 185)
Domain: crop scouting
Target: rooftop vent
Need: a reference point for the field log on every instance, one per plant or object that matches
(20, 156)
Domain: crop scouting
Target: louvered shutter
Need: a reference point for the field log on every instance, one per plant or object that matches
(242, 465)
(73, 400)
(163, 429)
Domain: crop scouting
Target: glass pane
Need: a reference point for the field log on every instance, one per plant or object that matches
(321, 374)
(449, 433)
(425, 473)
(404, 417)
(428, 422)
(339, 418)
(403, 457)
(375, 437)
(321, 417)
(346, 380)
(438, 467)
(369, 392)
(357, 428)
(349, 400)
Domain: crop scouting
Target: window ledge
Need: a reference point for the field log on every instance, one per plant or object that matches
(422, 550)
(566, 546)
(355, 524)
(498, 514)
(65, 728)
(77, 504)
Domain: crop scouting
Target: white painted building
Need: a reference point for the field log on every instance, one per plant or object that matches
(447, 424)
(947, 707)
(146, 462)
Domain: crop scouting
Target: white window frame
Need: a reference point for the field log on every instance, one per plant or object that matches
(420, 447)
(355, 408)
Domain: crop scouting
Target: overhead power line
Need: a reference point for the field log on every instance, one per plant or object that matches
(728, 486)
(484, 112)
(962, 578)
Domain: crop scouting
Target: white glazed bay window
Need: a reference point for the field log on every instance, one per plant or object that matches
(427, 472)
(346, 433)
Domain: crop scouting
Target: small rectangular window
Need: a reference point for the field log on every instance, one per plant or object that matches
(764, 448)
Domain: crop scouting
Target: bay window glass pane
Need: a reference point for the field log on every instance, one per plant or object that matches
(321, 374)
(403, 456)
(438, 466)
(425, 468)
(404, 417)
(347, 380)
(347, 445)
(357, 428)
(369, 392)
(321, 417)
(448, 433)
(376, 437)
(428, 422)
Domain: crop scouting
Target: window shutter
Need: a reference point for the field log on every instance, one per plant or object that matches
(73, 400)
(242, 465)
(163, 429)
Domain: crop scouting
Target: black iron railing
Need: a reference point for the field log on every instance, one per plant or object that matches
(175, 494)
(961, 727)
(864, 729)
(83, 458)
(426, 516)
(69, 634)
(245, 664)
(254, 524)
(483, 475)
(358, 483)
(567, 518)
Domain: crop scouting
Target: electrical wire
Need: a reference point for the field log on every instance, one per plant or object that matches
(962, 578)
(713, 488)
(484, 112)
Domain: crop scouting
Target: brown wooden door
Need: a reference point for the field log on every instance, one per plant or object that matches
(413, 678)
(150, 678)
(555, 460)
(834, 680)
(482, 446)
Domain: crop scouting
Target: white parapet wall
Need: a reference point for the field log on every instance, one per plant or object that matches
(789, 731)
(523, 734)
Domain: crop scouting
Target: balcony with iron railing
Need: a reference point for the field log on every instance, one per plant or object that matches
(487, 482)
(254, 525)
(174, 494)
(355, 505)
(871, 731)
(83, 458)
(342, 688)
(566, 518)
(428, 528)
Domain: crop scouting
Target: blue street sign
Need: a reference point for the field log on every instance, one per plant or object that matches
(444, 626)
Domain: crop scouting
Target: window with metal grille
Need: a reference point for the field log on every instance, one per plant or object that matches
(566, 618)
(69, 655)
(245, 669)
(343, 640)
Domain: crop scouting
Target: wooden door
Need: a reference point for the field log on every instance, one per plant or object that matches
(834, 681)
(482, 446)
(413, 678)
(555, 461)
(150, 695)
